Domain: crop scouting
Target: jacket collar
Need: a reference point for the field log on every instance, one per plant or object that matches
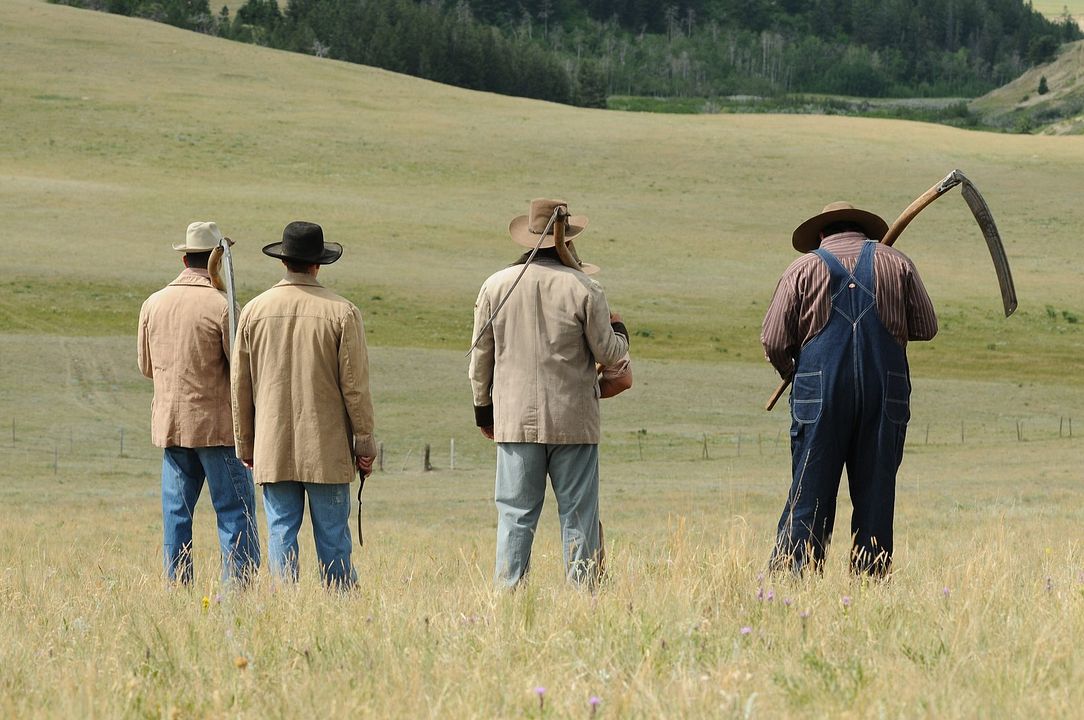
(193, 276)
(292, 278)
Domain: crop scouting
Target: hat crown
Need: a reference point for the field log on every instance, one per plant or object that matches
(541, 212)
(303, 240)
(201, 236)
(837, 205)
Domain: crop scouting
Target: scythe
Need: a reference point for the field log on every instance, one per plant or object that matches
(981, 211)
(221, 257)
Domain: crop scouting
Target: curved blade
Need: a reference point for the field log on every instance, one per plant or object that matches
(981, 211)
(231, 291)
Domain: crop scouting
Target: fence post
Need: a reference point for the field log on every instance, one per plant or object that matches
(1061, 425)
(927, 433)
(739, 443)
(451, 455)
(122, 442)
(380, 455)
(961, 432)
(56, 459)
(425, 464)
(704, 454)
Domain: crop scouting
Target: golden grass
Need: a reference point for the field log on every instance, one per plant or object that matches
(119, 132)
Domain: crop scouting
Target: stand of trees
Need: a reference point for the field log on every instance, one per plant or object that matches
(581, 51)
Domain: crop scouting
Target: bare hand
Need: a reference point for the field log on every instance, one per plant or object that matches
(615, 317)
(247, 462)
(487, 431)
(364, 463)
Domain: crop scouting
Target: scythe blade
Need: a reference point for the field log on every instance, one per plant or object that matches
(985, 219)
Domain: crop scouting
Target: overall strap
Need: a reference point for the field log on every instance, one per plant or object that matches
(839, 274)
(864, 272)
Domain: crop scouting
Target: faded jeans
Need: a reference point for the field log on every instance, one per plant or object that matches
(329, 510)
(520, 491)
(233, 497)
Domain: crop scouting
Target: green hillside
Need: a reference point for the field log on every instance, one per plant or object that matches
(1056, 108)
(120, 131)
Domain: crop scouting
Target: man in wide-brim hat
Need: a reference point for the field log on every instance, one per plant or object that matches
(838, 325)
(302, 409)
(184, 347)
(536, 390)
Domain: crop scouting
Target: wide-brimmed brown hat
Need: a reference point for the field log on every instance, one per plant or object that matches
(806, 236)
(201, 236)
(303, 242)
(527, 229)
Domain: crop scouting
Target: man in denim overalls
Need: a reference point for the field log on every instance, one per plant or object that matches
(838, 325)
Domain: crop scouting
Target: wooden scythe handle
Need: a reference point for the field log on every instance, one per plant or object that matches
(214, 269)
(920, 203)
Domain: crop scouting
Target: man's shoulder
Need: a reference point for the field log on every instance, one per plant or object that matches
(892, 252)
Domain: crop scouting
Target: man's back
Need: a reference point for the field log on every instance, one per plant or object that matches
(539, 360)
(303, 362)
(184, 347)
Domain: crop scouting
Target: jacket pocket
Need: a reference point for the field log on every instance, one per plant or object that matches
(807, 397)
(897, 397)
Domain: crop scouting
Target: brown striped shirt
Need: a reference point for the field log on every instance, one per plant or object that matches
(802, 302)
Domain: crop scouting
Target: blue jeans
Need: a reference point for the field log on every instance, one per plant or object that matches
(329, 510)
(519, 494)
(233, 497)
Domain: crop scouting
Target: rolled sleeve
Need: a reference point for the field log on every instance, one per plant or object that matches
(354, 382)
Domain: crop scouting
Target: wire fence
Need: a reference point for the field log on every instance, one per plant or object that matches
(62, 447)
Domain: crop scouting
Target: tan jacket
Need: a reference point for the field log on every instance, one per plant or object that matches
(184, 346)
(536, 364)
(301, 402)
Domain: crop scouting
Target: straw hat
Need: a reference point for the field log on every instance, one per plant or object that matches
(806, 236)
(201, 237)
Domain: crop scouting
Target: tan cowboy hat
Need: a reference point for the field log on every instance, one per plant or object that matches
(806, 236)
(202, 236)
(526, 229)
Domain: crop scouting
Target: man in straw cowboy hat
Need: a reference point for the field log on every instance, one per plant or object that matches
(184, 347)
(302, 411)
(839, 324)
(536, 389)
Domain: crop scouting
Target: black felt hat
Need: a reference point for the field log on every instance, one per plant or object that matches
(303, 242)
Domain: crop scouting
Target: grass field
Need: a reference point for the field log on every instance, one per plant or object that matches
(119, 132)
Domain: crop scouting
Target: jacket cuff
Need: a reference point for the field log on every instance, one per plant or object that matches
(483, 415)
(244, 450)
(364, 445)
(620, 329)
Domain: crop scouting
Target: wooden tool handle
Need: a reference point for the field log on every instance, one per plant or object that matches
(777, 394)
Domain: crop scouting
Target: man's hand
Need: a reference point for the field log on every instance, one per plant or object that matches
(487, 431)
(247, 462)
(364, 463)
(615, 317)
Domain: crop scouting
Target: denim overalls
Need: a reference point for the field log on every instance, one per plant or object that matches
(849, 406)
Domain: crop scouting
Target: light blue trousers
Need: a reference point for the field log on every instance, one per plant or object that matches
(520, 491)
(329, 510)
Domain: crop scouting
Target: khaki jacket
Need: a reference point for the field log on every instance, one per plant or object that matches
(184, 346)
(536, 364)
(300, 371)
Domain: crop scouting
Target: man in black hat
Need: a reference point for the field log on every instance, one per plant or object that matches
(839, 324)
(302, 411)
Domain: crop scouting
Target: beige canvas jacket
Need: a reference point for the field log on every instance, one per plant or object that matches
(536, 364)
(301, 402)
(183, 346)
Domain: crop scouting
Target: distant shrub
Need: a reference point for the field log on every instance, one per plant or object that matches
(1043, 87)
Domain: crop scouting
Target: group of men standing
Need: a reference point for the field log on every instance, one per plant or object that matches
(547, 348)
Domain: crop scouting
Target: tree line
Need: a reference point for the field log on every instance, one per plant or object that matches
(581, 51)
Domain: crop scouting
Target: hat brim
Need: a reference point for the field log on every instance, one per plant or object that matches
(522, 235)
(183, 247)
(332, 252)
(806, 236)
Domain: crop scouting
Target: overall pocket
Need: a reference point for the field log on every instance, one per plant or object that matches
(897, 397)
(807, 397)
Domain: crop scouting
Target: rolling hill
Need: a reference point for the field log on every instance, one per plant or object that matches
(1057, 111)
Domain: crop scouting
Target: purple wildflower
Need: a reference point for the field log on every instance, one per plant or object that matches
(771, 595)
(787, 601)
(945, 592)
(846, 600)
(746, 630)
(541, 693)
(760, 594)
(594, 701)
